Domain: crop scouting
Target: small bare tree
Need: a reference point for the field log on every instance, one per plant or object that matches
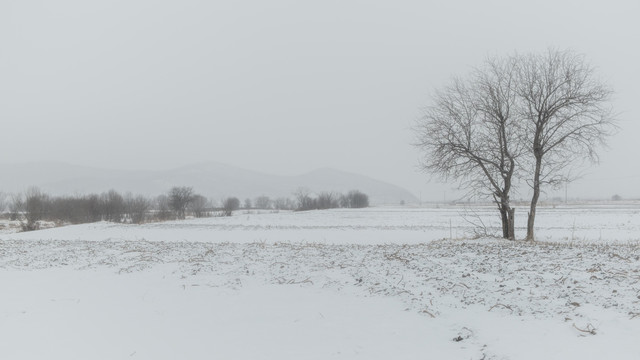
(137, 207)
(247, 203)
(16, 206)
(567, 115)
(471, 133)
(113, 206)
(230, 205)
(356, 199)
(304, 199)
(179, 200)
(199, 205)
(283, 203)
(162, 208)
(36, 204)
(262, 202)
(3, 202)
(327, 200)
(94, 211)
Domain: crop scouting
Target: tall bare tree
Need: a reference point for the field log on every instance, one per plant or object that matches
(471, 133)
(568, 116)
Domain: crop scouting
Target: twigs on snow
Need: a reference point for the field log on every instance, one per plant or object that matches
(282, 281)
(502, 306)
(425, 311)
(588, 330)
(478, 228)
(396, 256)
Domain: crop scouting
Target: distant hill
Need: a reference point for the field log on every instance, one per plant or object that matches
(210, 179)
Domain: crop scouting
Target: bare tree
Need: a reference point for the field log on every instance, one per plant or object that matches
(199, 205)
(357, 199)
(3, 202)
(327, 200)
(304, 199)
(94, 213)
(16, 206)
(179, 200)
(229, 205)
(247, 203)
(283, 203)
(113, 206)
(137, 208)
(35, 208)
(471, 133)
(162, 209)
(66, 209)
(567, 114)
(262, 202)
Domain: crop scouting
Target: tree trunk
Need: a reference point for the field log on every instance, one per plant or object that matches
(504, 215)
(511, 235)
(507, 215)
(534, 200)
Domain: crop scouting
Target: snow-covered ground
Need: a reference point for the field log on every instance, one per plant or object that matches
(602, 223)
(379, 283)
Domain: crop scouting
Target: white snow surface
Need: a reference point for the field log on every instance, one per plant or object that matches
(381, 225)
(379, 283)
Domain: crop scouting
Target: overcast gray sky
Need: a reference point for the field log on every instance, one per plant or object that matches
(283, 86)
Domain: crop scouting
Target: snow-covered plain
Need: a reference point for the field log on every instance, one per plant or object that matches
(378, 283)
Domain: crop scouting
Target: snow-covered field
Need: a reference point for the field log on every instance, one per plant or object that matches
(379, 283)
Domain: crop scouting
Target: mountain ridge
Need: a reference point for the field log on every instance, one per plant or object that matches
(211, 179)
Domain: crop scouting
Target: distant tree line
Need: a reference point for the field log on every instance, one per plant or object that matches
(304, 199)
(330, 200)
(34, 206)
